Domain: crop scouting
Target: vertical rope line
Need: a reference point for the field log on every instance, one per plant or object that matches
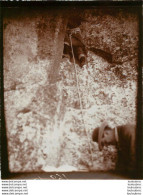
(77, 81)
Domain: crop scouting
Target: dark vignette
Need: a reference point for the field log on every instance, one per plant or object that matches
(4, 151)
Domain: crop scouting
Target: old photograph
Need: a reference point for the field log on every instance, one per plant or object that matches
(70, 79)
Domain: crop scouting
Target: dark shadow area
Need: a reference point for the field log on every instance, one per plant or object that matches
(4, 147)
(68, 175)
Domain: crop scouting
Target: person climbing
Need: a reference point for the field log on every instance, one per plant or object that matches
(73, 40)
(79, 48)
(123, 137)
(76, 43)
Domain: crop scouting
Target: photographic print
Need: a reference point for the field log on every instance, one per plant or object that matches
(70, 77)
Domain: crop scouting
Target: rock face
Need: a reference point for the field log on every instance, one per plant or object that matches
(44, 124)
(33, 46)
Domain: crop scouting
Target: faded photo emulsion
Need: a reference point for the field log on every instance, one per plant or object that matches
(70, 89)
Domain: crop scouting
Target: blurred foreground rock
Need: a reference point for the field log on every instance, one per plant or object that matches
(33, 46)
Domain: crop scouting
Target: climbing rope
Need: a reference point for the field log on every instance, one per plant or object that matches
(81, 108)
(77, 81)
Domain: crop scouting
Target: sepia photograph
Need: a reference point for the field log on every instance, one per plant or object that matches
(71, 80)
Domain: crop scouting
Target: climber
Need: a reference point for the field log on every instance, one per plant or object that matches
(123, 137)
(79, 49)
